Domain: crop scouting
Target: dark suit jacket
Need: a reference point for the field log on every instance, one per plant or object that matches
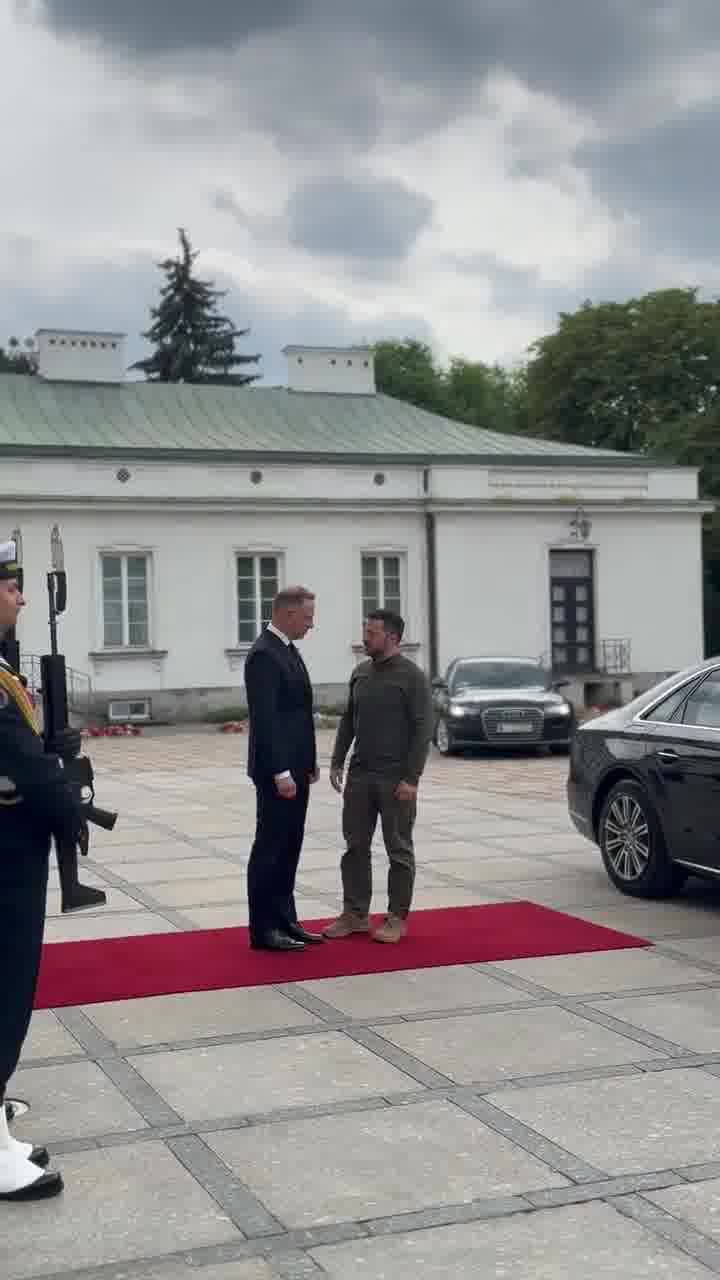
(280, 705)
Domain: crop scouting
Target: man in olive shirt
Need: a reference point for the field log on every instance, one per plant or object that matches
(389, 717)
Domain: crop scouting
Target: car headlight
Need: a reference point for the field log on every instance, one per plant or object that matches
(559, 709)
(457, 711)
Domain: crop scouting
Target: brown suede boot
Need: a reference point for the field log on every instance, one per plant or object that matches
(347, 924)
(392, 929)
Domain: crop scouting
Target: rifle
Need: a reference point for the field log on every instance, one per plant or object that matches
(78, 768)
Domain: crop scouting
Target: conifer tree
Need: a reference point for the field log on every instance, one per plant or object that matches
(193, 341)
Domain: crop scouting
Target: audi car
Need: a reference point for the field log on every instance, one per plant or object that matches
(500, 703)
(644, 784)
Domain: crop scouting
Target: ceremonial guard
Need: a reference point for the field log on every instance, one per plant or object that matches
(35, 804)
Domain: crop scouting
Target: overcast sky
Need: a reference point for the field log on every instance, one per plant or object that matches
(458, 171)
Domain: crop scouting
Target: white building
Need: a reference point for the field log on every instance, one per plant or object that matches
(183, 508)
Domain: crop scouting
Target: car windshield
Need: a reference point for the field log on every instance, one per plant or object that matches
(497, 675)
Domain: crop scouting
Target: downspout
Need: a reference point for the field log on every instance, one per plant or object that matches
(431, 562)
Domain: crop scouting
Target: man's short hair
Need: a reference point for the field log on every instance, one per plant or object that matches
(392, 622)
(292, 597)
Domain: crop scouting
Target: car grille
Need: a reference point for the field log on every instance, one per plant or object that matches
(513, 724)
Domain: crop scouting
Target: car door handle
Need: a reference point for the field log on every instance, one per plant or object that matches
(668, 756)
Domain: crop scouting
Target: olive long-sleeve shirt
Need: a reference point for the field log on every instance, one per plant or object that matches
(389, 717)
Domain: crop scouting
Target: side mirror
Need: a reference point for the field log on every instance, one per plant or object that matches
(560, 684)
(438, 684)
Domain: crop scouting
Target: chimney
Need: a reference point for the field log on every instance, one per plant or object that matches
(348, 371)
(80, 355)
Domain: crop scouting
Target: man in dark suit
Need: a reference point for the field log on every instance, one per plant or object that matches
(282, 762)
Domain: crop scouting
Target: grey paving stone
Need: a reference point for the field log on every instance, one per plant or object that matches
(566, 892)
(687, 1018)
(163, 869)
(120, 924)
(198, 1014)
(555, 1244)
(261, 1076)
(412, 991)
(122, 851)
(496, 1046)
(637, 1124)
(428, 895)
(698, 1205)
(482, 870)
(48, 1038)
(600, 971)
(72, 1100)
(200, 893)
(376, 1163)
(236, 913)
(653, 920)
(119, 1204)
(705, 949)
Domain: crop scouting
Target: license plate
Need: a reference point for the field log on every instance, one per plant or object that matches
(515, 728)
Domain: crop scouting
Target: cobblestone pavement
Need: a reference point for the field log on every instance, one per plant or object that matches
(542, 1119)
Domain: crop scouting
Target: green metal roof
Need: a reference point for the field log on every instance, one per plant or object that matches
(168, 420)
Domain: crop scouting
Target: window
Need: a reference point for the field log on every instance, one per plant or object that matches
(703, 705)
(666, 711)
(381, 587)
(125, 601)
(258, 579)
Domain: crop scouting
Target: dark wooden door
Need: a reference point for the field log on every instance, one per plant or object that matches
(572, 621)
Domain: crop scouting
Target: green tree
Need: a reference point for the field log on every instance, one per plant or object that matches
(18, 357)
(467, 390)
(406, 370)
(618, 375)
(193, 342)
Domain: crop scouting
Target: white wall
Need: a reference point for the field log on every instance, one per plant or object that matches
(193, 590)
(493, 583)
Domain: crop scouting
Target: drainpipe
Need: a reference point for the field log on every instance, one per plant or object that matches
(431, 562)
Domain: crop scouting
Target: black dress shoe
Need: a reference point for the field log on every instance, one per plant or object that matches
(277, 941)
(48, 1184)
(40, 1156)
(302, 935)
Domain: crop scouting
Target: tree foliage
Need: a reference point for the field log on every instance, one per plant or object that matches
(627, 375)
(467, 390)
(193, 341)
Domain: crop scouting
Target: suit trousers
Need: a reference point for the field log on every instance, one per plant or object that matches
(367, 798)
(279, 833)
(23, 890)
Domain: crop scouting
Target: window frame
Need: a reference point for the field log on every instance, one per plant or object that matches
(380, 554)
(123, 554)
(256, 554)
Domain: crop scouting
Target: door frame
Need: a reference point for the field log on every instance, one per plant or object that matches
(572, 666)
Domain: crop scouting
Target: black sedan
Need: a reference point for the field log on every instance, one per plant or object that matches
(501, 703)
(644, 784)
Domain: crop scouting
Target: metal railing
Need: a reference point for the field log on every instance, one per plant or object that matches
(79, 685)
(615, 657)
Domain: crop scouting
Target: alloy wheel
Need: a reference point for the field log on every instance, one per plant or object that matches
(627, 839)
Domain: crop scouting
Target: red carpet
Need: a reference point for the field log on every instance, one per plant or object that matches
(75, 973)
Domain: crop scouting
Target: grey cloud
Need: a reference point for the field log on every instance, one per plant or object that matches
(668, 176)
(578, 50)
(149, 27)
(358, 219)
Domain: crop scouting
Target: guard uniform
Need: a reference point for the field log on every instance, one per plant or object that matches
(35, 804)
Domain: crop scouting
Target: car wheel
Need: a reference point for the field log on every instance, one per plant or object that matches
(560, 749)
(443, 740)
(633, 846)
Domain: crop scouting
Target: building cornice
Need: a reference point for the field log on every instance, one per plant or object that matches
(321, 506)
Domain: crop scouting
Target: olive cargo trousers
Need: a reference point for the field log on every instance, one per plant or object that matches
(369, 797)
